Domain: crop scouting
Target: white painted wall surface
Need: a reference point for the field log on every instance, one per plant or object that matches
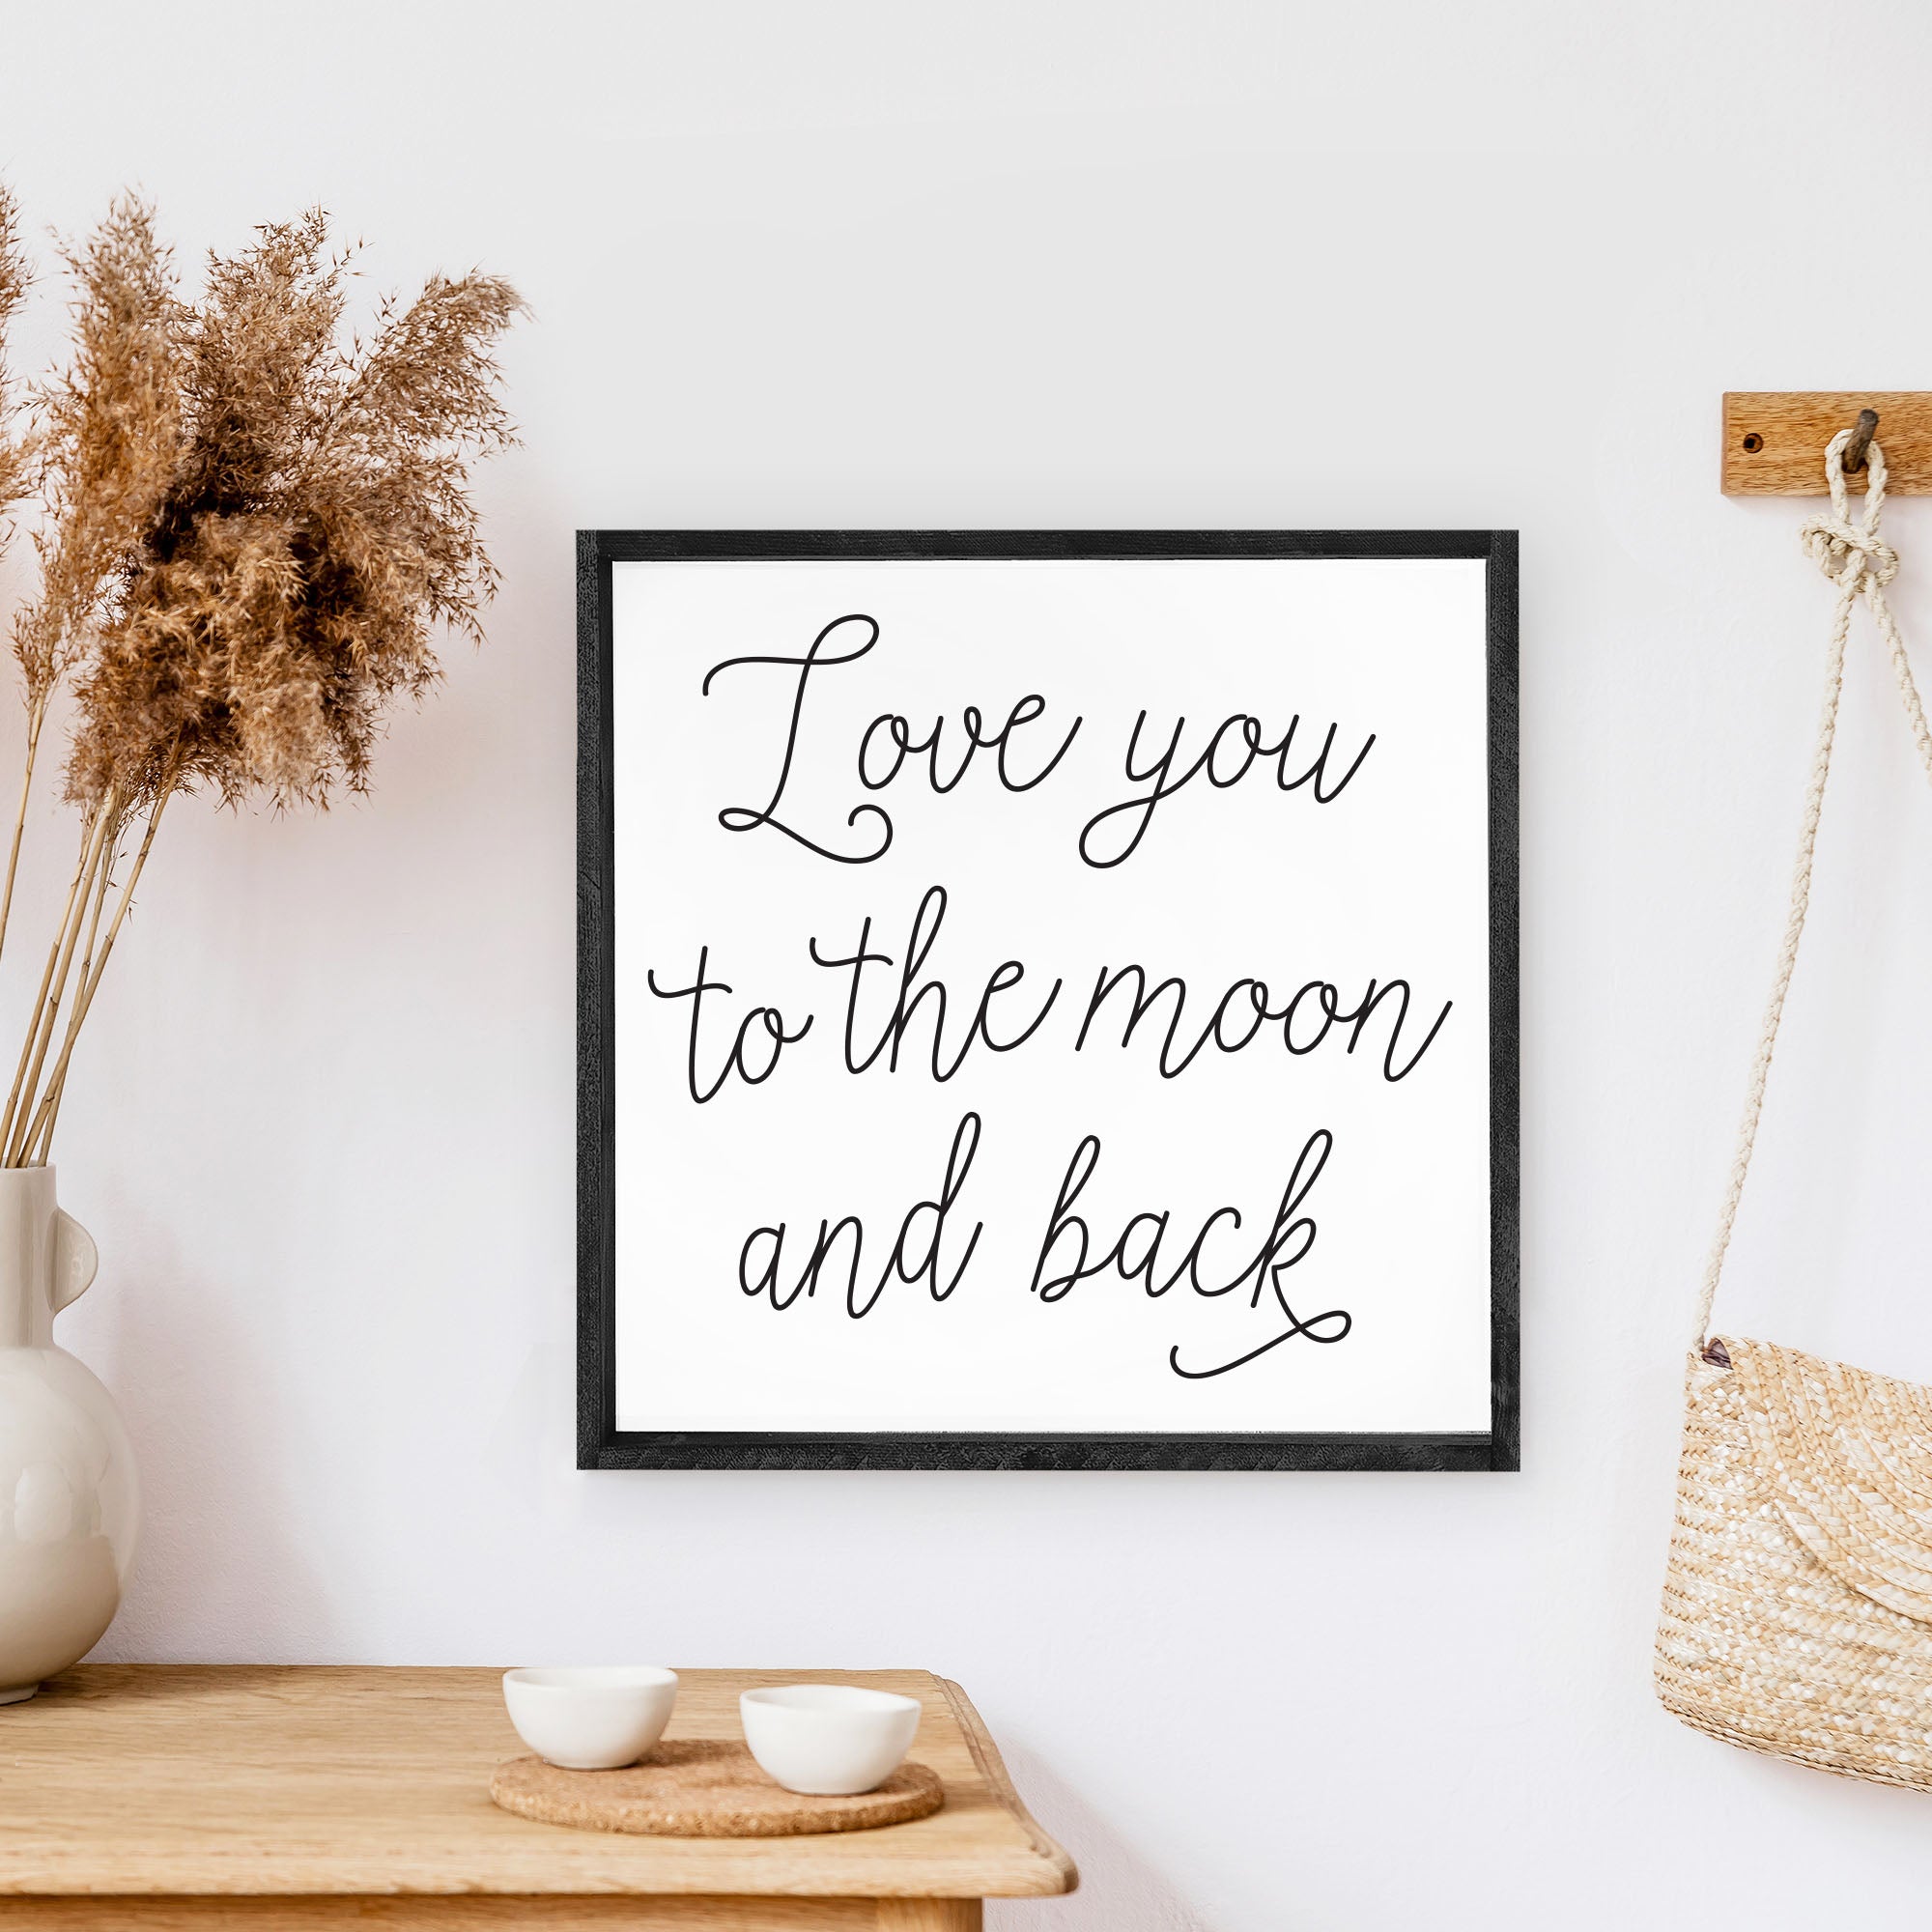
(1109, 265)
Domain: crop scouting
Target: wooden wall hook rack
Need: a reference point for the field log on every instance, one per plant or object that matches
(1775, 440)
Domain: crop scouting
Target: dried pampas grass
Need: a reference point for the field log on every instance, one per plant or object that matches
(15, 466)
(249, 528)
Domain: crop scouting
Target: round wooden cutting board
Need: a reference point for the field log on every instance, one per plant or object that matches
(703, 1788)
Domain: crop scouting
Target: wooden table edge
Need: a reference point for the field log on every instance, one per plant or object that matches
(993, 1769)
(133, 1911)
(1036, 1868)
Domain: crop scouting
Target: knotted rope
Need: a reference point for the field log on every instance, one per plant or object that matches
(1855, 558)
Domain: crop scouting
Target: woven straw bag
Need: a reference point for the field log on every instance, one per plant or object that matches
(1797, 1612)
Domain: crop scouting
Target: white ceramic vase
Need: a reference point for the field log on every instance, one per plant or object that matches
(69, 1504)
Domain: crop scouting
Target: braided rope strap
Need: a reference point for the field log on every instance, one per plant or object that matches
(1852, 556)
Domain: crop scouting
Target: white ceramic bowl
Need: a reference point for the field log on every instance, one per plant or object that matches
(592, 1719)
(828, 1738)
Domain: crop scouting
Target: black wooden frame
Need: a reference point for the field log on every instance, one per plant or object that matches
(601, 1445)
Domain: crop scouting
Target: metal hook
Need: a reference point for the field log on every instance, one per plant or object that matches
(1862, 433)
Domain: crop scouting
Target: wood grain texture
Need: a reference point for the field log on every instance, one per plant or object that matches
(596, 1003)
(1792, 426)
(930, 1915)
(546, 1913)
(1505, 1016)
(703, 1788)
(197, 1780)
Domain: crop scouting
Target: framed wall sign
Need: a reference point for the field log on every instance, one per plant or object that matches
(1047, 999)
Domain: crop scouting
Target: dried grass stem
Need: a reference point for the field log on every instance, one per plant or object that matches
(43, 1128)
(53, 980)
(34, 723)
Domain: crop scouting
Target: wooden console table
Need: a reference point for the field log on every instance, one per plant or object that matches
(248, 1798)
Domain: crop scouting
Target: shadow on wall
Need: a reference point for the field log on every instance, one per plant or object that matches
(211, 1524)
(1118, 1887)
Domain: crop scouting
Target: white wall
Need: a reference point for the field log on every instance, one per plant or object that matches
(1094, 264)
